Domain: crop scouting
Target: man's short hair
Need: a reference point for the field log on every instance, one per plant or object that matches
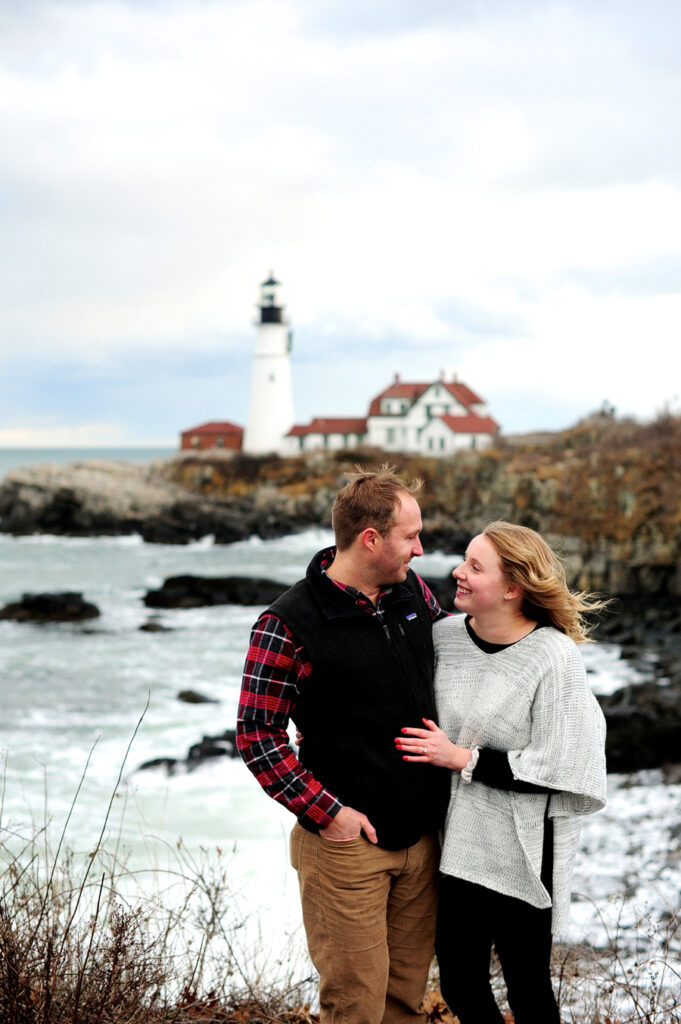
(369, 499)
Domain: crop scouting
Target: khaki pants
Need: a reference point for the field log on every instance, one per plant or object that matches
(369, 916)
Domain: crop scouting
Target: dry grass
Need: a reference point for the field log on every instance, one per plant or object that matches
(77, 949)
(83, 941)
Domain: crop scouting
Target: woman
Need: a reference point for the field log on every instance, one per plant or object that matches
(527, 759)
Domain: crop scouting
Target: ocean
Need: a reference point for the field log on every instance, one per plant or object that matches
(72, 696)
(15, 458)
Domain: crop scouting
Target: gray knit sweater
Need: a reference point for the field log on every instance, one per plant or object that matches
(531, 699)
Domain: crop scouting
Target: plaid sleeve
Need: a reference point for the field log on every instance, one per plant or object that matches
(273, 671)
(436, 612)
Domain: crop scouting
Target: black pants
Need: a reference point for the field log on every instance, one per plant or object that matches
(471, 919)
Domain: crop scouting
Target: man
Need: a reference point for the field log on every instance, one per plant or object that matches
(347, 654)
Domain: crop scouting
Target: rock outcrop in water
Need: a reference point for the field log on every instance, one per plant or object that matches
(199, 591)
(207, 749)
(42, 608)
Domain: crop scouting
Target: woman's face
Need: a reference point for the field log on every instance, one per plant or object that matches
(481, 584)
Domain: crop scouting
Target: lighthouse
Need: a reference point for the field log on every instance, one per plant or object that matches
(270, 414)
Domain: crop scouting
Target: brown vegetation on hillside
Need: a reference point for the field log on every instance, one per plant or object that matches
(604, 479)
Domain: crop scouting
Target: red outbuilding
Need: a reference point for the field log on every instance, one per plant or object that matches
(213, 435)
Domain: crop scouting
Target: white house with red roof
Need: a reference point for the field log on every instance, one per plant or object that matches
(433, 418)
(332, 432)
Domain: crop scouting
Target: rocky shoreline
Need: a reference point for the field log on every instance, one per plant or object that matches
(100, 498)
(606, 495)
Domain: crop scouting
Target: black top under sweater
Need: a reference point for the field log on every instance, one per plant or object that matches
(494, 770)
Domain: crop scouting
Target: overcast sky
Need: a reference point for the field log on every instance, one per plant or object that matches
(488, 186)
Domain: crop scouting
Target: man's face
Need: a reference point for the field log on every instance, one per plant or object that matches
(394, 552)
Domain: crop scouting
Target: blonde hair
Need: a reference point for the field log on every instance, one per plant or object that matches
(369, 499)
(529, 562)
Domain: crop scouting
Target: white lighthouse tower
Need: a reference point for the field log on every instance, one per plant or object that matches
(270, 415)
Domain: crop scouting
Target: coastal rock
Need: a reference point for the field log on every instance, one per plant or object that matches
(97, 498)
(198, 591)
(100, 498)
(192, 697)
(62, 607)
(644, 719)
(169, 763)
(208, 748)
(441, 533)
(223, 745)
(84, 498)
(644, 727)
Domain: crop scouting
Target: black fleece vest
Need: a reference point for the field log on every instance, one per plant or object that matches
(368, 680)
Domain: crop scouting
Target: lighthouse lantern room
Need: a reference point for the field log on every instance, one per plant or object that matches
(270, 414)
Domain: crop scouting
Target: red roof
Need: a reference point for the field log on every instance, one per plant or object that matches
(470, 424)
(462, 393)
(397, 390)
(221, 427)
(344, 425)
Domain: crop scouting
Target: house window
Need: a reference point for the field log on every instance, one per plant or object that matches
(390, 435)
(442, 444)
(430, 444)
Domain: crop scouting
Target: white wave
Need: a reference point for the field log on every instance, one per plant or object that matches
(204, 542)
(608, 671)
(119, 540)
(435, 563)
(312, 540)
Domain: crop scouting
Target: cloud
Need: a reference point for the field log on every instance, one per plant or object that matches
(98, 434)
(490, 187)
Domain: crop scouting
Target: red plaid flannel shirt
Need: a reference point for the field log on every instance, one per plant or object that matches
(275, 667)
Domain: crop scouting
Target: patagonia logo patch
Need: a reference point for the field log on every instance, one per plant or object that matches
(412, 615)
